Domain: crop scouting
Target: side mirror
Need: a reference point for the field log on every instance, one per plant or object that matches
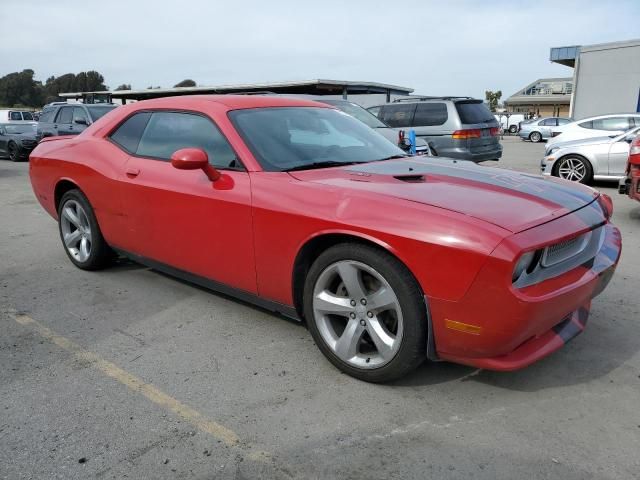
(194, 159)
(80, 121)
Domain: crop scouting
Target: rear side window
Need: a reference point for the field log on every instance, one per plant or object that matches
(27, 116)
(398, 116)
(428, 114)
(167, 132)
(611, 124)
(549, 122)
(15, 116)
(129, 133)
(474, 112)
(65, 114)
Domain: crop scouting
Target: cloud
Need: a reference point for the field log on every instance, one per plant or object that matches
(460, 48)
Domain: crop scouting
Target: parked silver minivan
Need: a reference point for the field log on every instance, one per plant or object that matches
(456, 127)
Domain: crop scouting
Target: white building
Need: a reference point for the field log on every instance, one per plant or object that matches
(606, 77)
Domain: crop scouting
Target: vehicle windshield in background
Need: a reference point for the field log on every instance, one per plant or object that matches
(97, 112)
(358, 112)
(16, 129)
(294, 137)
(474, 112)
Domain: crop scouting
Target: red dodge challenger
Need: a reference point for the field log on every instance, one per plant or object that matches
(303, 210)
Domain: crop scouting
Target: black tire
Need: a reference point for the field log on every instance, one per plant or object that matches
(535, 137)
(413, 347)
(12, 150)
(513, 129)
(588, 177)
(100, 255)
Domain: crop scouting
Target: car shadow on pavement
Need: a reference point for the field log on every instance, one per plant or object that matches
(602, 348)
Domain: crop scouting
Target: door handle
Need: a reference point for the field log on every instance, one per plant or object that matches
(133, 172)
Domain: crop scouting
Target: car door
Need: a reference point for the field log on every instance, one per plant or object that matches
(546, 126)
(79, 122)
(3, 142)
(62, 122)
(180, 218)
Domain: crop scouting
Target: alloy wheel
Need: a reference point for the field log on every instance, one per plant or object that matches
(535, 137)
(572, 168)
(357, 314)
(76, 230)
(13, 152)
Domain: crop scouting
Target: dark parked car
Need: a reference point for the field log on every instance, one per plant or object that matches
(455, 127)
(69, 119)
(17, 140)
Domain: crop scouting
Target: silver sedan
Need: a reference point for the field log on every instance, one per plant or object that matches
(602, 158)
(540, 129)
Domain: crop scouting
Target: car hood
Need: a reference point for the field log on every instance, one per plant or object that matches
(581, 142)
(513, 201)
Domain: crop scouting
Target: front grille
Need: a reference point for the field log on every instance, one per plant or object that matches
(562, 251)
(29, 143)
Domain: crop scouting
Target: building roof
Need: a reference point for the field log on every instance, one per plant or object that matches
(552, 98)
(567, 55)
(314, 87)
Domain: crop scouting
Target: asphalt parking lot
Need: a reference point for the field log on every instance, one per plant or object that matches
(128, 373)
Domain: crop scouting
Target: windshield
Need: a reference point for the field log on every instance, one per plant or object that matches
(97, 112)
(358, 112)
(293, 137)
(16, 128)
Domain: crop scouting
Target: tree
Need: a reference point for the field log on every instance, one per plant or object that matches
(124, 86)
(185, 83)
(493, 98)
(20, 89)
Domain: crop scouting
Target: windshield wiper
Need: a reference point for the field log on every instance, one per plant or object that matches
(325, 164)
(392, 157)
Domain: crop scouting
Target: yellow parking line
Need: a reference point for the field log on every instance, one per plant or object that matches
(134, 383)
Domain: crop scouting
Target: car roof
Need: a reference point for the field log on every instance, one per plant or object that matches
(232, 102)
(609, 115)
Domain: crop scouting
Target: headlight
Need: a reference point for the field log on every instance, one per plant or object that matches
(526, 262)
(552, 150)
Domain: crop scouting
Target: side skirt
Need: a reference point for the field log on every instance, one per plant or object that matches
(275, 307)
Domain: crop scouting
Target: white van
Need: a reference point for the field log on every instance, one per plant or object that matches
(510, 122)
(11, 116)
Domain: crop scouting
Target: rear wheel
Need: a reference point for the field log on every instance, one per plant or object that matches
(535, 137)
(12, 149)
(80, 233)
(513, 129)
(574, 168)
(366, 312)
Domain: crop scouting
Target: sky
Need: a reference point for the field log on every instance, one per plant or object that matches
(435, 47)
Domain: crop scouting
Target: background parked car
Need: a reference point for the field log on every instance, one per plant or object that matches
(601, 126)
(538, 130)
(630, 185)
(391, 134)
(8, 116)
(456, 127)
(510, 122)
(69, 119)
(17, 140)
(601, 158)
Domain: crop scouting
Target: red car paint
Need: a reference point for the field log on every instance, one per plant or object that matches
(459, 227)
(633, 170)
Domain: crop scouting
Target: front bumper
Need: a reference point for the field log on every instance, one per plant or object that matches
(509, 328)
(546, 164)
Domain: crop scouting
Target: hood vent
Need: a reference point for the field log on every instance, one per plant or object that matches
(410, 178)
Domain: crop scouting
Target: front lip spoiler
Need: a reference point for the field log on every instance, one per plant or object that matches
(534, 349)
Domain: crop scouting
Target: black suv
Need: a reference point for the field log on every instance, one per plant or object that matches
(69, 119)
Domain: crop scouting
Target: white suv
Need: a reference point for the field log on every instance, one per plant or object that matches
(601, 126)
(13, 116)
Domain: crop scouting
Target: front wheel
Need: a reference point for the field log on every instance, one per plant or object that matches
(513, 129)
(366, 312)
(13, 152)
(574, 168)
(80, 233)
